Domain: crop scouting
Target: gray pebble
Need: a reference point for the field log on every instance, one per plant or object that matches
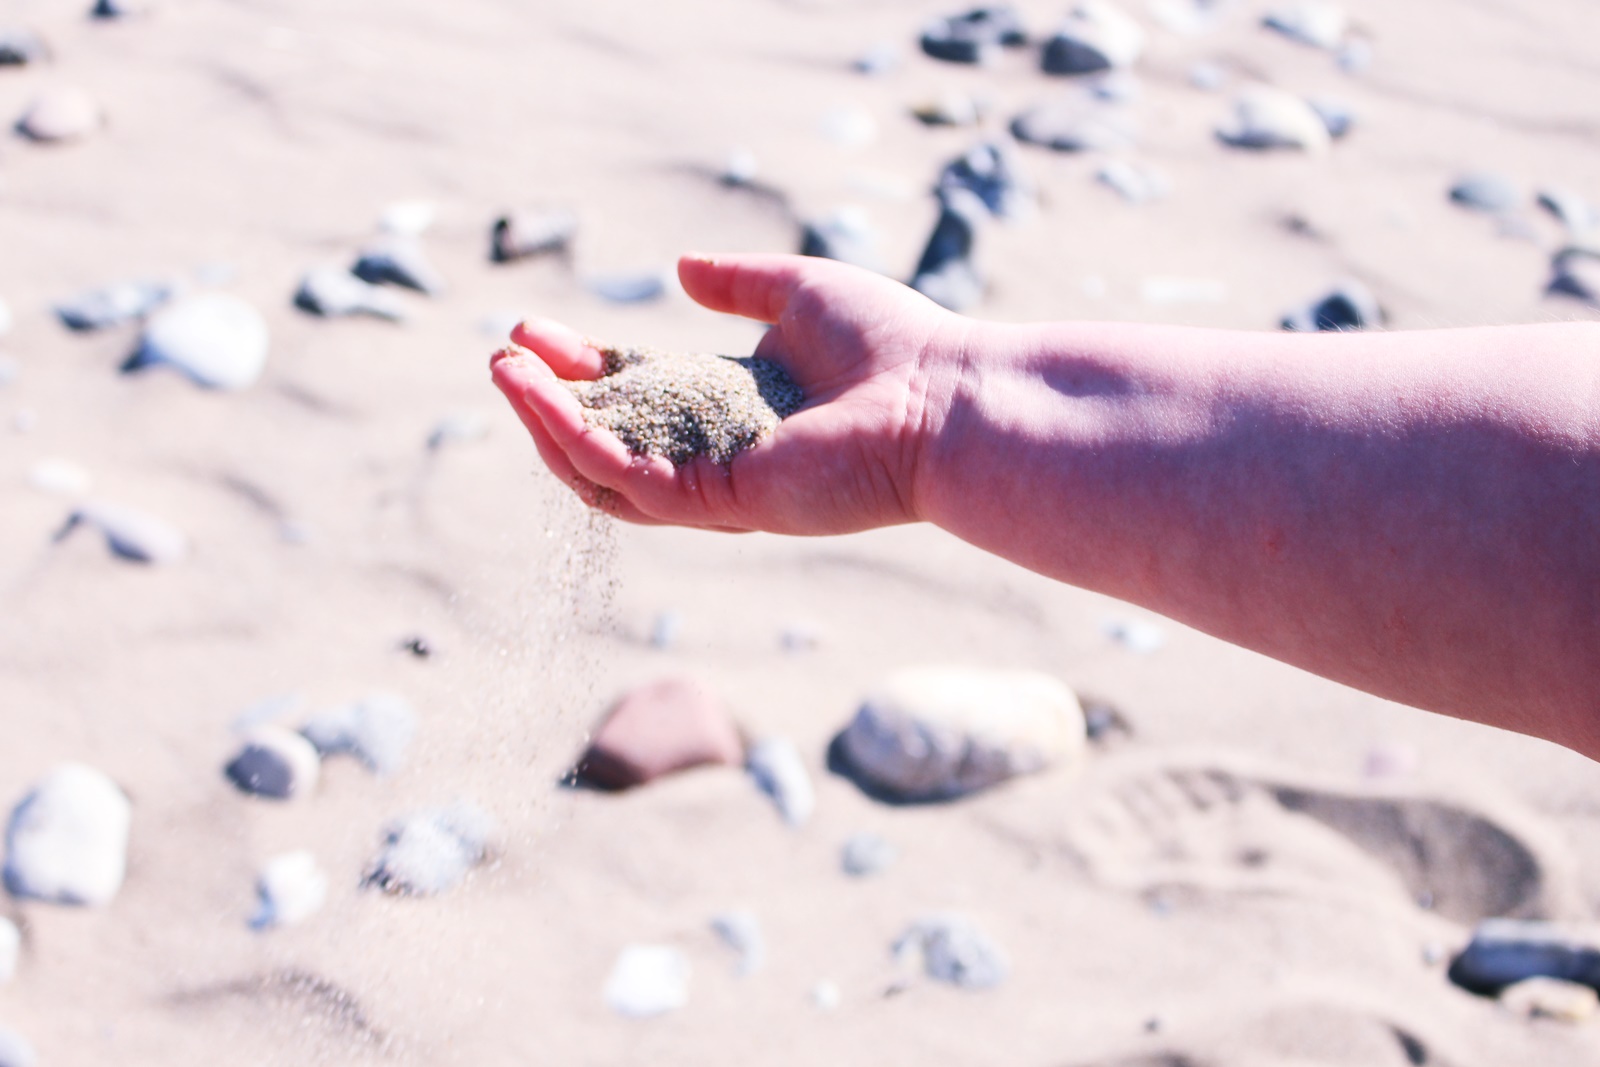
(1115, 87)
(947, 273)
(219, 341)
(333, 292)
(520, 234)
(432, 851)
(113, 305)
(954, 950)
(974, 36)
(15, 1051)
(846, 236)
(67, 841)
(275, 763)
(1069, 126)
(866, 854)
(1506, 951)
(741, 931)
(1136, 183)
(1207, 77)
(1337, 115)
(780, 772)
(1310, 22)
(1575, 272)
(993, 172)
(61, 114)
(115, 9)
(885, 57)
(1349, 306)
(377, 730)
(20, 46)
(399, 261)
(630, 287)
(666, 629)
(1267, 118)
(132, 535)
(1579, 216)
(463, 427)
(1097, 35)
(1356, 55)
(10, 949)
(1486, 191)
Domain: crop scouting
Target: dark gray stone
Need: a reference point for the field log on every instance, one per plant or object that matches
(846, 236)
(332, 292)
(975, 36)
(1575, 272)
(993, 173)
(20, 46)
(520, 234)
(1503, 952)
(274, 763)
(1096, 36)
(1486, 191)
(1349, 306)
(946, 273)
(399, 261)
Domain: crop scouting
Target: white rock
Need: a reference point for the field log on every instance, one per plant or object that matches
(113, 304)
(377, 730)
(432, 851)
(849, 127)
(1068, 125)
(218, 340)
(1312, 22)
(1137, 183)
(954, 950)
(59, 477)
(1551, 998)
(408, 218)
(334, 292)
(780, 772)
(741, 167)
(133, 535)
(648, 980)
(1135, 635)
(1265, 117)
(15, 1050)
(10, 949)
(931, 733)
(630, 287)
(1096, 36)
(290, 889)
(275, 763)
(67, 842)
(826, 996)
(529, 232)
(741, 931)
(62, 114)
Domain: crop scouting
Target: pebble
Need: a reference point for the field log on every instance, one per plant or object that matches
(10, 949)
(849, 127)
(741, 169)
(951, 108)
(1115, 87)
(1348, 306)
(63, 114)
(1069, 126)
(826, 996)
(780, 772)
(113, 305)
(648, 980)
(377, 730)
(1337, 115)
(1104, 723)
(1137, 183)
(459, 428)
(975, 36)
(1265, 118)
(947, 273)
(1135, 635)
(67, 841)
(408, 218)
(432, 851)
(1310, 22)
(333, 292)
(882, 58)
(290, 889)
(938, 732)
(1504, 952)
(20, 47)
(1486, 191)
(993, 172)
(132, 535)
(954, 950)
(800, 637)
(59, 477)
(275, 763)
(1580, 217)
(219, 341)
(15, 1050)
(845, 235)
(521, 234)
(666, 629)
(1551, 998)
(1576, 272)
(1207, 77)
(1355, 56)
(398, 260)
(667, 726)
(115, 9)
(741, 931)
(1096, 36)
(631, 287)
(866, 854)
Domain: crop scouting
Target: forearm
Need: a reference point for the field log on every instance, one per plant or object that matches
(1417, 515)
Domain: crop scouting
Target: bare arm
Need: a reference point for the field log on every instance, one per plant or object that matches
(1414, 514)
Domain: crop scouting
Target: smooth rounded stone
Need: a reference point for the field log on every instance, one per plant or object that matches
(648, 980)
(1267, 118)
(117, 9)
(780, 772)
(1579, 216)
(1069, 126)
(398, 260)
(849, 127)
(62, 114)
(275, 763)
(974, 36)
(1348, 306)
(1207, 77)
(937, 732)
(994, 173)
(1575, 272)
(529, 232)
(954, 950)
(947, 273)
(630, 287)
(1310, 22)
(67, 841)
(666, 628)
(1486, 191)
(60, 477)
(1551, 998)
(1503, 952)
(113, 305)
(1115, 87)
(1137, 183)
(20, 46)
(885, 57)
(377, 730)
(218, 341)
(951, 107)
(1337, 115)
(1135, 635)
(845, 235)
(133, 535)
(741, 931)
(334, 292)
(866, 854)
(658, 729)
(1097, 36)
(289, 890)
(408, 218)
(432, 851)
(15, 1050)
(1356, 55)
(10, 949)
(826, 996)
(459, 428)
(741, 169)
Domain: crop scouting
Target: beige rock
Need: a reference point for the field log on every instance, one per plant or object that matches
(670, 725)
(1551, 998)
(1265, 117)
(64, 114)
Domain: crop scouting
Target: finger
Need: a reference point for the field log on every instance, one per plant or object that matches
(566, 351)
(755, 286)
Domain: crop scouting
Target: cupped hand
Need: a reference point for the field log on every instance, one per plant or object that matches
(866, 352)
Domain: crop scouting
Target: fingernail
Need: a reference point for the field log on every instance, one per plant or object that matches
(700, 257)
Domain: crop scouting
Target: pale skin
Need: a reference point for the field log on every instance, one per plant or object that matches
(1416, 514)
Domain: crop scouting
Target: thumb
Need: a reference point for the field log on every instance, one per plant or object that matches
(755, 286)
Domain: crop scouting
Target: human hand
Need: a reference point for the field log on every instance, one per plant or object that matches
(868, 353)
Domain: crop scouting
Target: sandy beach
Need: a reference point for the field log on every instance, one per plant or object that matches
(1267, 869)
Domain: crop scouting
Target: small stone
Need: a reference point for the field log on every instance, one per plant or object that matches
(524, 233)
(10, 949)
(1096, 36)
(849, 127)
(630, 287)
(116, 9)
(975, 36)
(408, 218)
(1207, 77)
(648, 980)
(60, 477)
(826, 996)
(1486, 191)
(1310, 22)
(290, 889)
(377, 730)
(1551, 998)
(67, 842)
(418, 646)
(1337, 115)
(132, 535)
(1104, 722)
(64, 114)
(1504, 952)
(993, 172)
(219, 341)
(741, 169)
(947, 273)
(275, 763)
(882, 58)
(1266, 118)
(399, 261)
(741, 931)
(780, 772)
(1069, 126)
(1115, 87)
(1579, 216)
(1135, 635)
(113, 304)
(800, 637)
(665, 630)
(15, 1051)
(462, 427)
(333, 292)
(1349, 306)
(866, 854)
(432, 851)
(954, 950)
(846, 235)
(935, 733)
(9, 371)
(1575, 272)
(1137, 183)
(658, 729)
(950, 108)
(20, 46)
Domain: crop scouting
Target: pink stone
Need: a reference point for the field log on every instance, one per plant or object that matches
(669, 725)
